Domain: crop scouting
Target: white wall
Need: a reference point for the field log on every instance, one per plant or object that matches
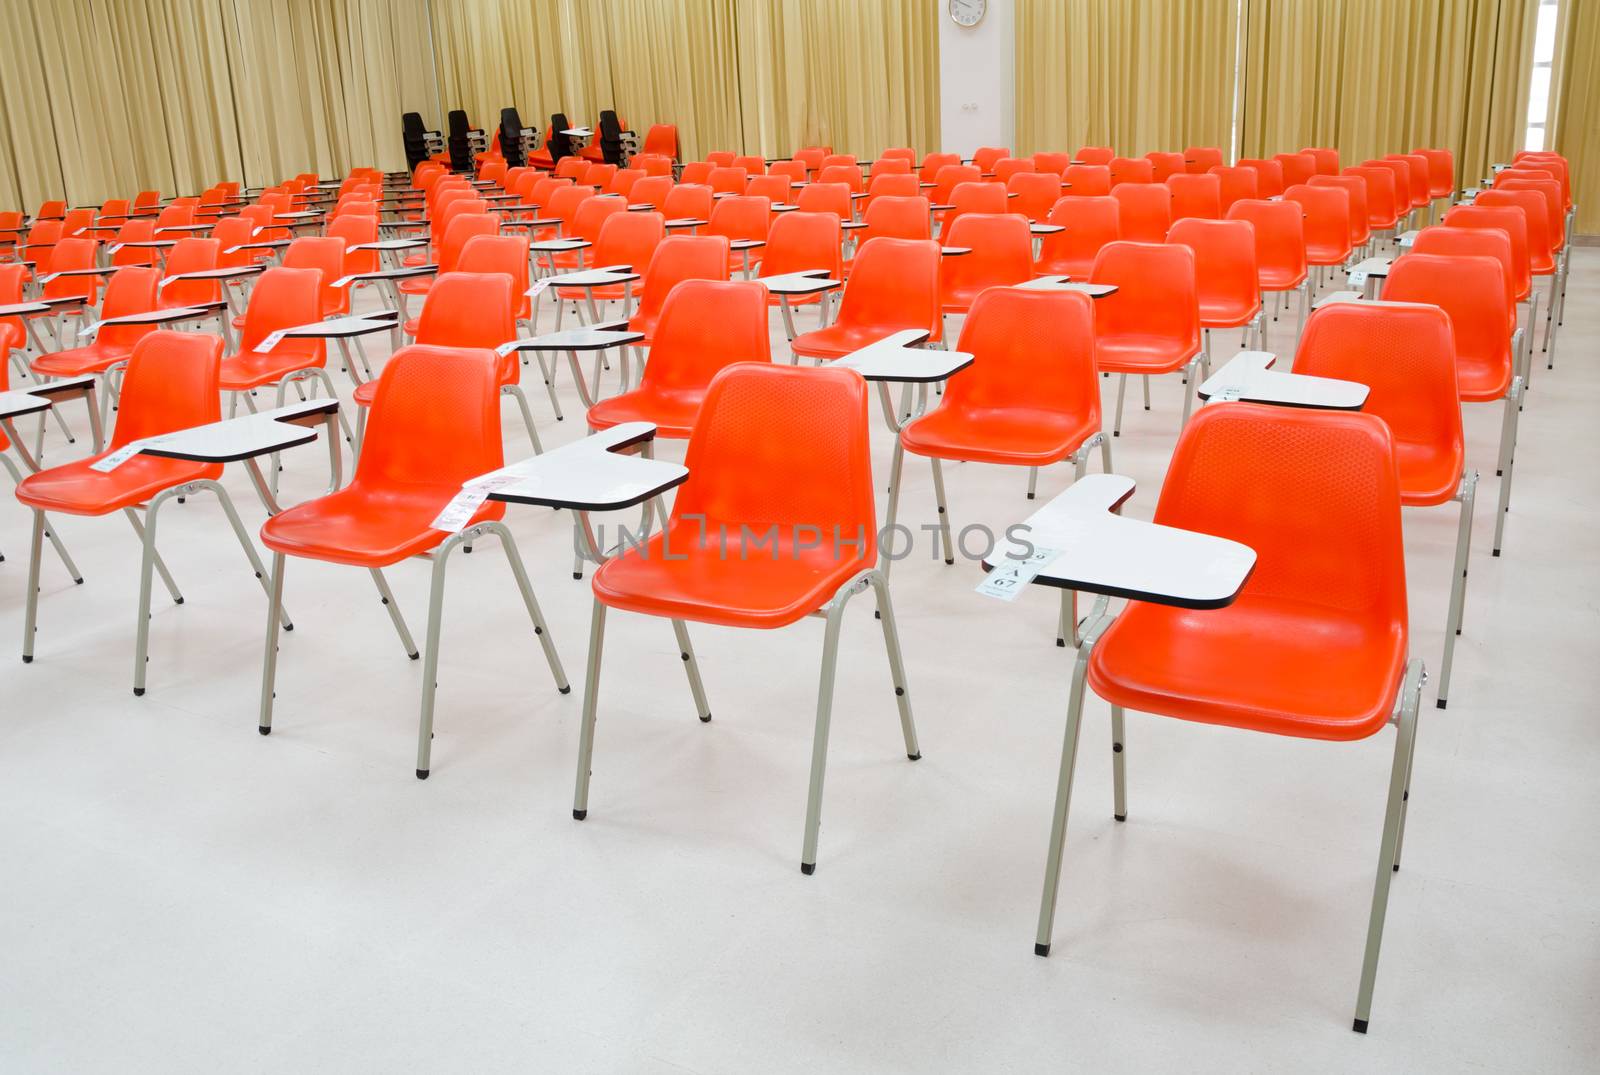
(977, 83)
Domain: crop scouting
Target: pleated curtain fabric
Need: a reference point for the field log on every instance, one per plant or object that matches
(1371, 77)
(1575, 79)
(1137, 75)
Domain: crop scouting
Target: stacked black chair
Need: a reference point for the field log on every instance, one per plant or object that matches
(515, 139)
(610, 135)
(560, 144)
(420, 142)
(462, 142)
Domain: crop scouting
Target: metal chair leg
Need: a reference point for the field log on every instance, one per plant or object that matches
(691, 666)
(1508, 454)
(1033, 482)
(896, 465)
(819, 741)
(161, 565)
(540, 628)
(1458, 583)
(430, 661)
(1122, 388)
(399, 621)
(1393, 824)
(269, 660)
(515, 392)
(591, 689)
(30, 619)
(1119, 784)
(944, 515)
(897, 669)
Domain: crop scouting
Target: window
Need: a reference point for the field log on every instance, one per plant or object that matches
(1544, 51)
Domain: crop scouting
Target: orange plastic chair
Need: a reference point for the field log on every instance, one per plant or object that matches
(1269, 176)
(1165, 165)
(752, 163)
(742, 217)
(1131, 170)
(1091, 223)
(792, 170)
(944, 184)
(1235, 185)
(1327, 159)
(973, 198)
(144, 230)
(740, 492)
(505, 254)
(1383, 208)
(688, 201)
(1087, 180)
(774, 188)
(652, 190)
(1227, 281)
(705, 326)
(890, 186)
(830, 198)
(1094, 154)
(354, 231)
(1146, 211)
(1280, 238)
(193, 254)
(984, 157)
(1316, 495)
(41, 239)
(625, 239)
(463, 228)
(170, 384)
(1418, 172)
(1405, 355)
(435, 424)
(1030, 398)
(1513, 225)
(129, 291)
(598, 176)
(571, 167)
(77, 223)
(586, 224)
(696, 172)
(1472, 290)
(903, 153)
(326, 255)
(1474, 242)
(802, 242)
(1006, 167)
(1052, 162)
(677, 258)
(893, 286)
(1360, 217)
(1327, 222)
(623, 180)
(934, 162)
(1002, 255)
(1543, 258)
(1298, 168)
(1441, 171)
(51, 209)
(1195, 196)
(1400, 169)
(722, 158)
(662, 138)
(838, 160)
(1198, 160)
(652, 164)
(727, 180)
(889, 166)
(810, 156)
(283, 297)
(1151, 323)
(1034, 194)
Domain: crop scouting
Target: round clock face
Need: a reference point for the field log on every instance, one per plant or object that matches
(967, 12)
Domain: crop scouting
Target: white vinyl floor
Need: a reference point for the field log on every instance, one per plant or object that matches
(179, 894)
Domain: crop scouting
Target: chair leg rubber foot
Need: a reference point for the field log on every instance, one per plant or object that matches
(950, 561)
(1496, 552)
(808, 868)
(1119, 817)
(264, 729)
(914, 757)
(177, 600)
(27, 658)
(138, 692)
(1040, 949)
(1359, 1026)
(564, 690)
(1030, 496)
(579, 815)
(577, 574)
(705, 718)
(413, 655)
(78, 581)
(1061, 642)
(422, 774)
(1440, 703)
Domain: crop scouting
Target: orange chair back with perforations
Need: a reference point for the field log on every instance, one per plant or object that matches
(828, 198)
(283, 298)
(171, 383)
(802, 241)
(41, 238)
(1508, 220)
(564, 204)
(706, 326)
(1406, 356)
(592, 215)
(689, 201)
(1195, 196)
(1091, 223)
(1033, 194)
(678, 258)
(1327, 222)
(142, 231)
(504, 254)
(77, 222)
(72, 254)
(1227, 280)
(652, 190)
(1156, 297)
(1002, 255)
(1479, 242)
(129, 291)
(1513, 179)
(326, 255)
(356, 231)
(894, 285)
(1279, 231)
(1472, 290)
(1355, 188)
(1146, 211)
(1541, 245)
(193, 254)
(470, 309)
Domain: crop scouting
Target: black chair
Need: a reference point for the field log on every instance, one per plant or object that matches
(462, 144)
(513, 138)
(420, 142)
(610, 135)
(560, 144)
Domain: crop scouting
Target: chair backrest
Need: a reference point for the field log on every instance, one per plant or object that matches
(41, 238)
(172, 382)
(1035, 193)
(143, 230)
(1091, 223)
(623, 180)
(984, 157)
(1510, 179)
(598, 175)
(792, 170)
(571, 166)
(848, 174)
(1327, 218)
(1195, 196)
(51, 209)
(1507, 220)
(830, 198)
(193, 254)
(1156, 292)
(727, 179)
(563, 205)
(951, 175)
(1087, 180)
(743, 216)
(1472, 290)
(1166, 164)
(1198, 160)
(1441, 170)
(678, 258)
(696, 172)
(1049, 161)
(803, 240)
(892, 217)
(1002, 252)
(1131, 170)
(469, 309)
(1234, 184)
(283, 298)
(593, 214)
(835, 160)
(435, 420)
(652, 164)
(933, 162)
(892, 186)
(905, 153)
(1355, 187)
(1280, 237)
(890, 166)
(1382, 208)
(540, 188)
(774, 188)
(1541, 245)
(1316, 495)
(1032, 352)
(1400, 169)
(326, 255)
(752, 163)
(72, 254)
(129, 291)
(1094, 154)
(1269, 175)
(1326, 158)
(652, 190)
(894, 284)
(1224, 260)
(355, 231)
(1418, 172)
(975, 198)
(630, 239)
(77, 222)
(1146, 211)
(689, 201)
(1297, 167)
(503, 254)
(1406, 356)
(810, 156)
(706, 326)
(744, 470)
(1006, 167)
(662, 138)
(1473, 242)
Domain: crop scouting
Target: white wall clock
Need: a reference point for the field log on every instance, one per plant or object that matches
(968, 13)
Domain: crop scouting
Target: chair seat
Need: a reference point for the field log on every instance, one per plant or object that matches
(838, 340)
(593, 153)
(1277, 278)
(1481, 382)
(79, 361)
(416, 285)
(366, 528)
(764, 586)
(1143, 354)
(673, 412)
(75, 489)
(1320, 254)
(252, 369)
(1428, 474)
(1262, 663)
(603, 293)
(412, 260)
(410, 327)
(1023, 438)
(1227, 312)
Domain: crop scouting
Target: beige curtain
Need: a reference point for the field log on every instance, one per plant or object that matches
(1375, 76)
(856, 76)
(30, 163)
(1575, 112)
(1137, 75)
